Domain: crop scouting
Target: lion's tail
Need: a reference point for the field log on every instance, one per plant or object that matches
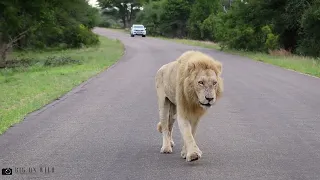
(159, 127)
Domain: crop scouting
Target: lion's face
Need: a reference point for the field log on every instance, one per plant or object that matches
(205, 86)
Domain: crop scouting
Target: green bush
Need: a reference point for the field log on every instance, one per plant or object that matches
(272, 40)
(230, 30)
(79, 36)
(207, 28)
(219, 31)
(249, 38)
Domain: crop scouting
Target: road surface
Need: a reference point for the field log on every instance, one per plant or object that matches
(266, 127)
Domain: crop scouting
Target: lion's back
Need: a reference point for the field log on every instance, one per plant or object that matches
(166, 80)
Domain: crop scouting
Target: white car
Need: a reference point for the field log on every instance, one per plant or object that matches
(138, 29)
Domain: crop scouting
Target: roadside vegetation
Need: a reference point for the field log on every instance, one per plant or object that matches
(285, 33)
(281, 58)
(46, 49)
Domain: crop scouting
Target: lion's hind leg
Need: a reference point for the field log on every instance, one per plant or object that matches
(172, 113)
(163, 125)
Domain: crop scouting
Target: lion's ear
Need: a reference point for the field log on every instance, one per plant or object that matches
(191, 66)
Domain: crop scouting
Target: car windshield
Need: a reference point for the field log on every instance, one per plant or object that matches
(139, 27)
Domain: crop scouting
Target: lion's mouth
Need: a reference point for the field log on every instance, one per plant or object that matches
(207, 105)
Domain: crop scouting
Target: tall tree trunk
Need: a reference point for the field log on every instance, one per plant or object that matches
(130, 14)
(124, 21)
(123, 13)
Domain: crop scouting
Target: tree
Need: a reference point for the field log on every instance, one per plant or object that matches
(284, 15)
(174, 17)
(256, 25)
(200, 11)
(310, 31)
(150, 17)
(123, 9)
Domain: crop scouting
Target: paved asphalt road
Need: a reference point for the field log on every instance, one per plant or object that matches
(266, 127)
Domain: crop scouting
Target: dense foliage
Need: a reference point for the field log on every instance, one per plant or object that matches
(46, 24)
(255, 25)
(125, 10)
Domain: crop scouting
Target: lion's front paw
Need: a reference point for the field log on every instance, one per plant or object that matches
(193, 155)
(166, 149)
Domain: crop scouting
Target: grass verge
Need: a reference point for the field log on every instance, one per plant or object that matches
(27, 89)
(301, 64)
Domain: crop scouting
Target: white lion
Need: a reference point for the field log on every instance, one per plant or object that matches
(186, 88)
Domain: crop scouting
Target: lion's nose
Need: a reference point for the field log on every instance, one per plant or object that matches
(209, 99)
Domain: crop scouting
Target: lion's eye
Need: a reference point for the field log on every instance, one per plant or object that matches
(200, 82)
(214, 82)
